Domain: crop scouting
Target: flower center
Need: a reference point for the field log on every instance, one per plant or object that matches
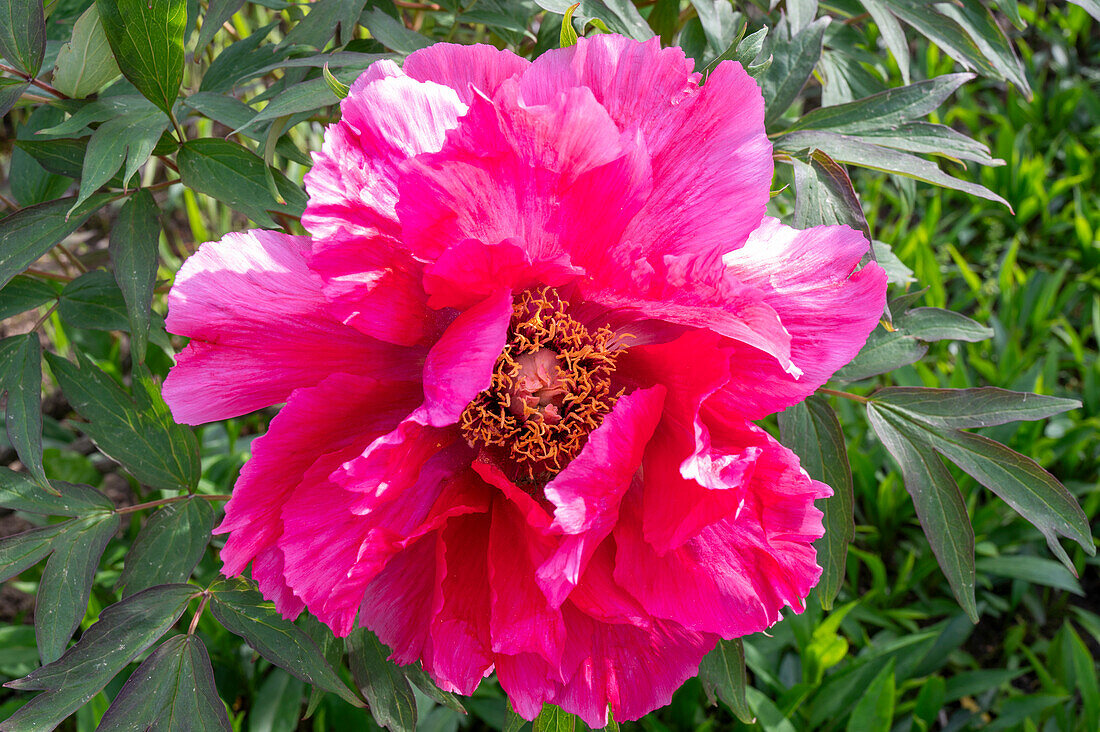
(551, 387)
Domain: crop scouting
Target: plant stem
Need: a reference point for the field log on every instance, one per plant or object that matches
(36, 82)
(198, 612)
(46, 317)
(173, 499)
(846, 395)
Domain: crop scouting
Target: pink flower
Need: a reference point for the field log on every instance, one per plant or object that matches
(521, 354)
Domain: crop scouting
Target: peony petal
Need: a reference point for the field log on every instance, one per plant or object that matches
(735, 575)
(521, 619)
(460, 364)
(710, 130)
(558, 178)
(398, 605)
(632, 670)
(809, 277)
(300, 439)
(587, 492)
(468, 70)
(470, 271)
(387, 118)
(267, 570)
(260, 329)
(460, 655)
(337, 540)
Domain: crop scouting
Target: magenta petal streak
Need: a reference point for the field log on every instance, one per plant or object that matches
(521, 353)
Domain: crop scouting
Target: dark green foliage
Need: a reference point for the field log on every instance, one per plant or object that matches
(891, 116)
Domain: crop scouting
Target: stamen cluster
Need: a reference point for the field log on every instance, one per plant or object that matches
(551, 387)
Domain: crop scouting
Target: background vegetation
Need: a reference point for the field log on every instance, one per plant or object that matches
(895, 650)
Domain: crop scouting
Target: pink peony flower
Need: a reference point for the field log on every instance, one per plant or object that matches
(521, 355)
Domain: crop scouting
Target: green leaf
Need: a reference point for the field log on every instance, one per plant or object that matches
(236, 177)
(325, 19)
(927, 19)
(874, 712)
(1019, 481)
(824, 195)
(392, 34)
(123, 632)
(85, 64)
(240, 60)
(620, 15)
(24, 293)
(936, 324)
(892, 35)
(969, 683)
(138, 432)
(1092, 7)
(554, 719)
(385, 687)
(929, 701)
(1036, 570)
(147, 41)
(21, 378)
(67, 581)
(981, 407)
(932, 139)
(169, 545)
(812, 430)
(133, 249)
(513, 722)
(128, 138)
(19, 493)
(31, 232)
(172, 689)
(305, 96)
(885, 110)
(723, 673)
(940, 507)
(986, 33)
(22, 551)
(93, 300)
(568, 35)
(217, 14)
(768, 716)
(884, 351)
(793, 61)
(244, 612)
(278, 704)
(719, 21)
(23, 34)
(857, 151)
(419, 677)
(30, 182)
(339, 88)
(62, 156)
(11, 91)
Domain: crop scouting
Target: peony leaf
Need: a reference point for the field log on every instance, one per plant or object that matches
(218, 13)
(62, 156)
(137, 431)
(85, 64)
(812, 430)
(981, 407)
(169, 546)
(19, 493)
(31, 232)
(936, 324)
(244, 612)
(235, 176)
(22, 551)
(23, 34)
(418, 676)
(884, 351)
(128, 138)
(723, 673)
(172, 689)
(133, 249)
(553, 719)
(386, 689)
(24, 293)
(123, 631)
(885, 110)
(568, 35)
(793, 61)
(857, 151)
(147, 41)
(21, 378)
(940, 506)
(824, 195)
(67, 581)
